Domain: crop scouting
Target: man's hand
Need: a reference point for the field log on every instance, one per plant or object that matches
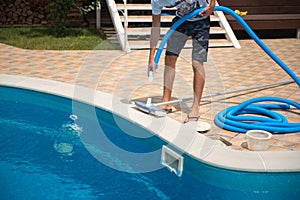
(207, 11)
(150, 67)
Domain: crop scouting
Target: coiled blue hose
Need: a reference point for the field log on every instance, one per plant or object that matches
(229, 118)
(264, 119)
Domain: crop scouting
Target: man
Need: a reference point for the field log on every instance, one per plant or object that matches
(197, 27)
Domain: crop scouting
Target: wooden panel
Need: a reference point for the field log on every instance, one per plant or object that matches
(270, 17)
(267, 24)
(268, 10)
(263, 15)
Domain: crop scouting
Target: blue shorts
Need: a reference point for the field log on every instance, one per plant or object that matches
(198, 30)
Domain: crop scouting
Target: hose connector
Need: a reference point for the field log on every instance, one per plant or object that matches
(151, 76)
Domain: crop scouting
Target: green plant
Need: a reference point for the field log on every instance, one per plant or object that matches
(87, 7)
(58, 14)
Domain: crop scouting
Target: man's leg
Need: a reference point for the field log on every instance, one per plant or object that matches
(175, 44)
(200, 35)
(169, 75)
(198, 85)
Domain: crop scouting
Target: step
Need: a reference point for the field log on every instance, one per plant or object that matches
(136, 6)
(141, 44)
(145, 31)
(145, 18)
(212, 43)
(148, 18)
(220, 43)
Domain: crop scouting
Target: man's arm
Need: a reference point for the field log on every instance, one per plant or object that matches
(154, 37)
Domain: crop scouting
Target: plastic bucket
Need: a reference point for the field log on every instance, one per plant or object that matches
(258, 140)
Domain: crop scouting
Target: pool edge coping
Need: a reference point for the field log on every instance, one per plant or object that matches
(182, 136)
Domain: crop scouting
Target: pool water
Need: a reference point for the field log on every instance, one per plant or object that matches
(44, 155)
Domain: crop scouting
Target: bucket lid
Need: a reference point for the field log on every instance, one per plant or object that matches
(259, 134)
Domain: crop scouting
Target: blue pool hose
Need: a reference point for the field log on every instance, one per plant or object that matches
(229, 118)
(263, 119)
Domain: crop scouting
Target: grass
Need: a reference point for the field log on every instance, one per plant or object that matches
(42, 39)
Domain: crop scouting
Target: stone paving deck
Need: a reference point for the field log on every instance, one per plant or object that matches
(124, 74)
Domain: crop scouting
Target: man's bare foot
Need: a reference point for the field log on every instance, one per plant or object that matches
(168, 108)
(191, 119)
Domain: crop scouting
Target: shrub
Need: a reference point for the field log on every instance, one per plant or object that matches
(58, 15)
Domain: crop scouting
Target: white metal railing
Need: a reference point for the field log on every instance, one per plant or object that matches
(229, 33)
(98, 14)
(120, 31)
(125, 13)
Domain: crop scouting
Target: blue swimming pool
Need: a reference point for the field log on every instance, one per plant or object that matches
(44, 155)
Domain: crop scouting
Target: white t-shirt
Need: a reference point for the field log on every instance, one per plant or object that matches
(183, 6)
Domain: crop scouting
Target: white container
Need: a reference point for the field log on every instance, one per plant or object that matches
(258, 140)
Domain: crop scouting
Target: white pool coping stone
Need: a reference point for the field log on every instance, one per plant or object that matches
(182, 136)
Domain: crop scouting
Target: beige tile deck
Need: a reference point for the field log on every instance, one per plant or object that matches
(124, 74)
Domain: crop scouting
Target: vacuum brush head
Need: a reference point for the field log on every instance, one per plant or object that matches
(150, 109)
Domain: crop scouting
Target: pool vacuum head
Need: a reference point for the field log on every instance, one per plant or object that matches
(150, 108)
